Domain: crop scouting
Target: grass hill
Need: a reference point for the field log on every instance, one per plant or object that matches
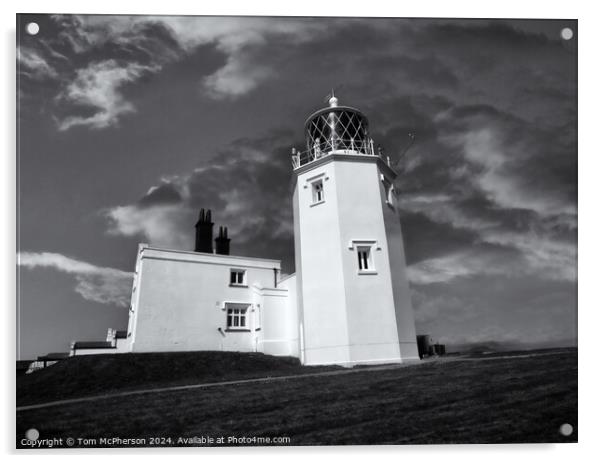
(98, 374)
(505, 398)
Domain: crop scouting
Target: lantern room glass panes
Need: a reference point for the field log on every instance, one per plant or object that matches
(337, 129)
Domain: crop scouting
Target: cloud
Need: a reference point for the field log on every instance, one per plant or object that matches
(477, 260)
(97, 55)
(497, 251)
(544, 256)
(498, 190)
(98, 87)
(414, 56)
(160, 225)
(99, 284)
(428, 308)
(237, 39)
(448, 268)
(502, 149)
(235, 79)
(487, 191)
(497, 308)
(246, 185)
(33, 64)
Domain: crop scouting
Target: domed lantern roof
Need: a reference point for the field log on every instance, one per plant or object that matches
(337, 128)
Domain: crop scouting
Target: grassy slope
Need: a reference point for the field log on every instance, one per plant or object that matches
(97, 374)
(468, 401)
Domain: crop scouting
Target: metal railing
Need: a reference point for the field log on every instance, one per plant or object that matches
(338, 146)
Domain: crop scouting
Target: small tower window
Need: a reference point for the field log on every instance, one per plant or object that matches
(238, 277)
(364, 255)
(364, 258)
(317, 192)
(389, 191)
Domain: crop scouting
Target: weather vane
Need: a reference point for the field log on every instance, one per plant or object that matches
(332, 93)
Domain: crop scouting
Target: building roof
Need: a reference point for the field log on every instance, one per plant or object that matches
(192, 256)
(286, 277)
(93, 345)
(121, 334)
(54, 356)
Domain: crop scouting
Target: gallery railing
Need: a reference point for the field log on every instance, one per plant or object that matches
(338, 146)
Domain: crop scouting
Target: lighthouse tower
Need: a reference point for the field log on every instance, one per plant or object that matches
(352, 288)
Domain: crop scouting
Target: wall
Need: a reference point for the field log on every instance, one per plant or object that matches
(404, 312)
(279, 320)
(105, 350)
(320, 284)
(370, 303)
(182, 296)
(122, 345)
(346, 317)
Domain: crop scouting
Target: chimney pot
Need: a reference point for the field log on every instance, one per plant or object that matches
(204, 233)
(222, 242)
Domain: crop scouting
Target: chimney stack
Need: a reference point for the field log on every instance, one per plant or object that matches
(204, 233)
(222, 242)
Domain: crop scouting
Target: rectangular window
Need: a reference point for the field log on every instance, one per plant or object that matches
(317, 189)
(237, 277)
(364, 258)
(388, 194)
(236, 318)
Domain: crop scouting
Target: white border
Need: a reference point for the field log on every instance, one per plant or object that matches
(589, 213)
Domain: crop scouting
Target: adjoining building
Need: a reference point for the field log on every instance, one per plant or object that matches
(348, 302)
(426, 347)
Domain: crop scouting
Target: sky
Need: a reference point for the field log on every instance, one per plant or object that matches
(128, 125)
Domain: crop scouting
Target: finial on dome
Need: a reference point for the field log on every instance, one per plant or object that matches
(332, 100)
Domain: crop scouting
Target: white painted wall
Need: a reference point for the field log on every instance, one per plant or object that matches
(182, 299)
(346, 317)
(370, 305)
(279, 319)
(122, 345)
(404, 312)
(106, 350)
(320, 283)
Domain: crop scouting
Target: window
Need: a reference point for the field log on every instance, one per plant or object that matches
(389, 191)
(237, 277)
(317, 189)
(236, 318)
(364, 255)
(364, 258)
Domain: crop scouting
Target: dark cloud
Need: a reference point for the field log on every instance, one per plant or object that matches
(488, 312)
(163, 194)
(247, 187)
(425, 238)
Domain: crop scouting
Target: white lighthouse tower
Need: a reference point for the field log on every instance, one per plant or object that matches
(352, 289)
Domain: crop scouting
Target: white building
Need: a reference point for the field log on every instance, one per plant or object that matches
(349, 301)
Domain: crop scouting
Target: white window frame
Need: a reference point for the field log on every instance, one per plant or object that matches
(364, 265)
(238, 271)
(237, 317)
